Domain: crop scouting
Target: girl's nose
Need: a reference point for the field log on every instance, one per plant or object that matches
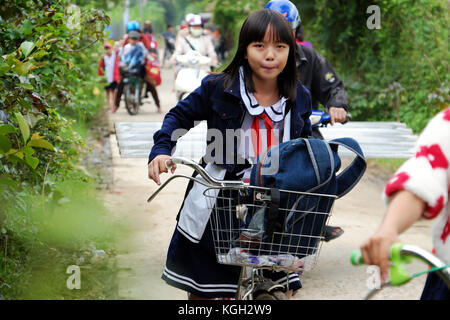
(270, 53)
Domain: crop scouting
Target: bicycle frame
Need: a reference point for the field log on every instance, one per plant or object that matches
(283, 254)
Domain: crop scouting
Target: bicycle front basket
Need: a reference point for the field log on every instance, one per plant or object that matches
(246, 232)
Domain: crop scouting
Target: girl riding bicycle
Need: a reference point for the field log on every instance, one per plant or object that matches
(259, 100)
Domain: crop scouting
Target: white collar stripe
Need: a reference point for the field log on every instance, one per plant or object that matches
(276, 112)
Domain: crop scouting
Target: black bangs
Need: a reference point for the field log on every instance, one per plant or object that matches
(267, 22)
(254, 30)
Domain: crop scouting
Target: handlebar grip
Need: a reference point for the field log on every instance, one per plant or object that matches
(356, 258)
(347, 118)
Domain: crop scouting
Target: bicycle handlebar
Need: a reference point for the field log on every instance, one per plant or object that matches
(320, 118)
(400, 254)
(209, 181)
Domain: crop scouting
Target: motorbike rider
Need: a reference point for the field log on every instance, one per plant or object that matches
(314, 70)
(195, 40)
(316, 73)
(135, 26)
(133, 57)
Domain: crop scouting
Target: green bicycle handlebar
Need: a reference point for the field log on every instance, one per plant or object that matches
(356, 258)
(397, 271)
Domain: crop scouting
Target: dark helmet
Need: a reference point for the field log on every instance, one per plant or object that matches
(133, 34)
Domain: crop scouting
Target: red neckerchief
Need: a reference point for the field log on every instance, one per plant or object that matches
(256, 134)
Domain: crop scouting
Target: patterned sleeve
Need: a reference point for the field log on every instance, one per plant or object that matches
(427, 174)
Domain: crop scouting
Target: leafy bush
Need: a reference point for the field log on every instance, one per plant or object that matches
(399, 72)
(48, 87)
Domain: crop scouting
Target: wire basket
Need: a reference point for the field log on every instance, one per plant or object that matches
(268, 228)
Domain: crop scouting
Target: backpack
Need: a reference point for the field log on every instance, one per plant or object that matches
(294, 222)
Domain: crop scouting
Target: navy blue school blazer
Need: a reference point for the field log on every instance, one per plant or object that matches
(222, 109)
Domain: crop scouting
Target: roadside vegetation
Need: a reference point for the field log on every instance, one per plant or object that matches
(51, 216)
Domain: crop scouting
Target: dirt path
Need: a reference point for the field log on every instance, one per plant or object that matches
(149, 227)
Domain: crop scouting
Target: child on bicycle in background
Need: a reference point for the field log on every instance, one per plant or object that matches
(419, 189)
(258, 96)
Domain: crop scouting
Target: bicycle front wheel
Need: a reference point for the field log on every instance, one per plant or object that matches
(132, 93)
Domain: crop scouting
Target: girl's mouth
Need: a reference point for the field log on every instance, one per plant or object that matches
(268, 68)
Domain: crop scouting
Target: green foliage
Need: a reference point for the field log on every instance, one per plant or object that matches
(48, 89)
(230, 14)
(399, 72)
(152, 11)
(42, 236)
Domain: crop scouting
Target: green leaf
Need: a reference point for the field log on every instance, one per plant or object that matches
(28, 151)
(32, 161)
(16, 153)
(26, 86)
(23, 126)
(41, 144)
(39, 54)
(24, 103)
(26, 48)
(27, 27)
(5, 144)
(6, 180)
(4, 68)
(6, 128)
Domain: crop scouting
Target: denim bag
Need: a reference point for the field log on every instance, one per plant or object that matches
(305, 165)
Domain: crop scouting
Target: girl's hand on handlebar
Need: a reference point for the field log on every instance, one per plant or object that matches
(337, 114)
(158, 166)
(376, 251)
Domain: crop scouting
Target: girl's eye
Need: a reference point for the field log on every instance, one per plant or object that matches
(258, 45)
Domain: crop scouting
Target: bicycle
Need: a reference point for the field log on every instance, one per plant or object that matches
(239, 236)
(400, 255)
(132, 90)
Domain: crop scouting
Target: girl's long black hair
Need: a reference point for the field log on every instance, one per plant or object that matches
(254, 30)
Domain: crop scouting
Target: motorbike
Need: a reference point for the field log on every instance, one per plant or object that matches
(194, 67)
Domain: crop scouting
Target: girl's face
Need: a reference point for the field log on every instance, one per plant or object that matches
(267, 58)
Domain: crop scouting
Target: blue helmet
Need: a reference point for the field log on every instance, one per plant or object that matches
(287, 9)
(132, 25)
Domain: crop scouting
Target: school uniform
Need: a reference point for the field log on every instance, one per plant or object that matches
(110, 66)
(191, 260)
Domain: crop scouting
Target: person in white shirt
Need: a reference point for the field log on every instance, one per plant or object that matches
(419, 189)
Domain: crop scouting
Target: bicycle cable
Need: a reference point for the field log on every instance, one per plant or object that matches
(417, 274)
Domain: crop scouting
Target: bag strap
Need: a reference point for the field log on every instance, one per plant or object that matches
(350, 176)
(272, 214)
(190, 44)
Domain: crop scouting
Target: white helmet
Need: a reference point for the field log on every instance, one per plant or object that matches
(188, 17)
(196, 20)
